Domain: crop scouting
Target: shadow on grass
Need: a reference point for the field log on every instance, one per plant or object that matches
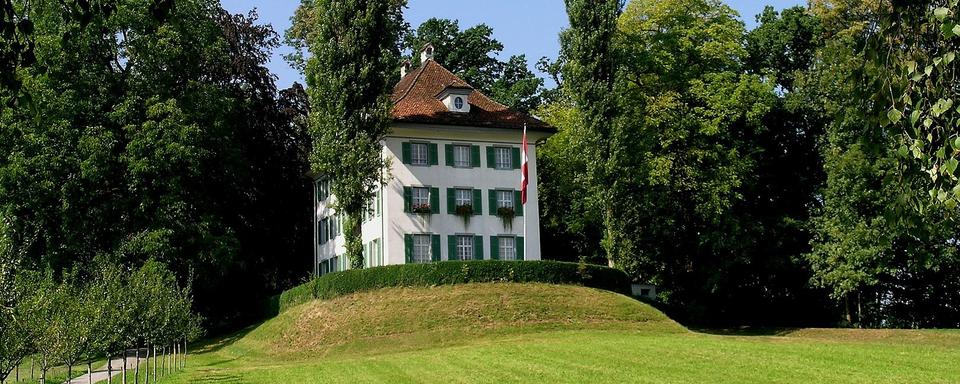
(747, 331)
(218, 343)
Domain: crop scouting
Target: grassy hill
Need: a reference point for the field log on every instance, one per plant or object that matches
(507, 332)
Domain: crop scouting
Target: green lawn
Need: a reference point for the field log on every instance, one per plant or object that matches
(496, 333)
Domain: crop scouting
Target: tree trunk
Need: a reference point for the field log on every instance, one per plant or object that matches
(136, 368)
(146, 369)
(185, 353)
(109, 369)
(123, 371)
(32, 359)
(69, 372)
(89, 373)
(154, 363)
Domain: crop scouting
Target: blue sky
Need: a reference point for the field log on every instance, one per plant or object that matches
(526, 27)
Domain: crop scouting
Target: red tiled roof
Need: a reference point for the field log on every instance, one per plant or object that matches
(415, 101)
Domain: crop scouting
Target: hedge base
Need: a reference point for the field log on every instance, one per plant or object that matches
(456, 272)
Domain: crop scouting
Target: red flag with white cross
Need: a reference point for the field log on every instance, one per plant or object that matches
(523, 169)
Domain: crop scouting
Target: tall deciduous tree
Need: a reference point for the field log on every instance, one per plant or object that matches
(887, 262)
(590, 73)
(354, 52)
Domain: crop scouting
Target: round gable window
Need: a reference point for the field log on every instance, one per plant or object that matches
(458, 103)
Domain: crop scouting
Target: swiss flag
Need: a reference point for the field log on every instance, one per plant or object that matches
(523, 169)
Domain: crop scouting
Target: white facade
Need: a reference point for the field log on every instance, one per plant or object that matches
(390, 231)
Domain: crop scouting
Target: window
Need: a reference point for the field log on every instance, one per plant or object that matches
(464, 248)
(323, 190)
(508, 248)
(461, 156)
(422, 249)
(503, 158)
(464, 197)
(458, 102)
(505, 199)
(419, 154)
(421, 198)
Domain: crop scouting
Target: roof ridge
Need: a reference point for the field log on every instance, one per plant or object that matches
(414, 82)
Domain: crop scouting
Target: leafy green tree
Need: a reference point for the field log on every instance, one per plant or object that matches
(914, 53)
(590, 73)
(715, 166)
(14, 341)
(354, 53)
(44, 301)
(783, 44)
(887, 262)
(517, 87)
(158, 132)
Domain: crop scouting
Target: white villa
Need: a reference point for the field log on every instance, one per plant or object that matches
(455, 180)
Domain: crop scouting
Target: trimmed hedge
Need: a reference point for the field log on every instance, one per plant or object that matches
(456, 272)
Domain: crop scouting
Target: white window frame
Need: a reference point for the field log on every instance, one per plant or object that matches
(422, 249)
(462, 156)
(419, 196)
(463, 196)
(464, 247)
(505, 199)
(419, 154)
(508, 247)
(503, 157)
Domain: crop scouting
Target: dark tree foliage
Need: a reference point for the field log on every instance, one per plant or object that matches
(784, 43)
(157, 132)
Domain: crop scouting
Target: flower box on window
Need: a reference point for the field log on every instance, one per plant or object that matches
(506, 215)
(422, 209)
(465, 212)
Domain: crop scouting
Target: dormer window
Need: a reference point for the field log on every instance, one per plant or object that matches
(456, 99)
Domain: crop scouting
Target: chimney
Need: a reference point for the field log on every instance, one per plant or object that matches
(426, 53)
(404, 68)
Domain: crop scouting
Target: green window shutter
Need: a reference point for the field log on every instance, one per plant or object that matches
(407, 199)
(475, 156)
(478, 247)
(516, 158)
(448, 154)
(451, 201)
(406, 153)
(517, 206)
(494, 248)
(434, 157)
(408, 248)
(435, 200)
(435, 250)
(452, 247)
(520, 250)
(477, 202)
(491, 161)
(493, 202)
